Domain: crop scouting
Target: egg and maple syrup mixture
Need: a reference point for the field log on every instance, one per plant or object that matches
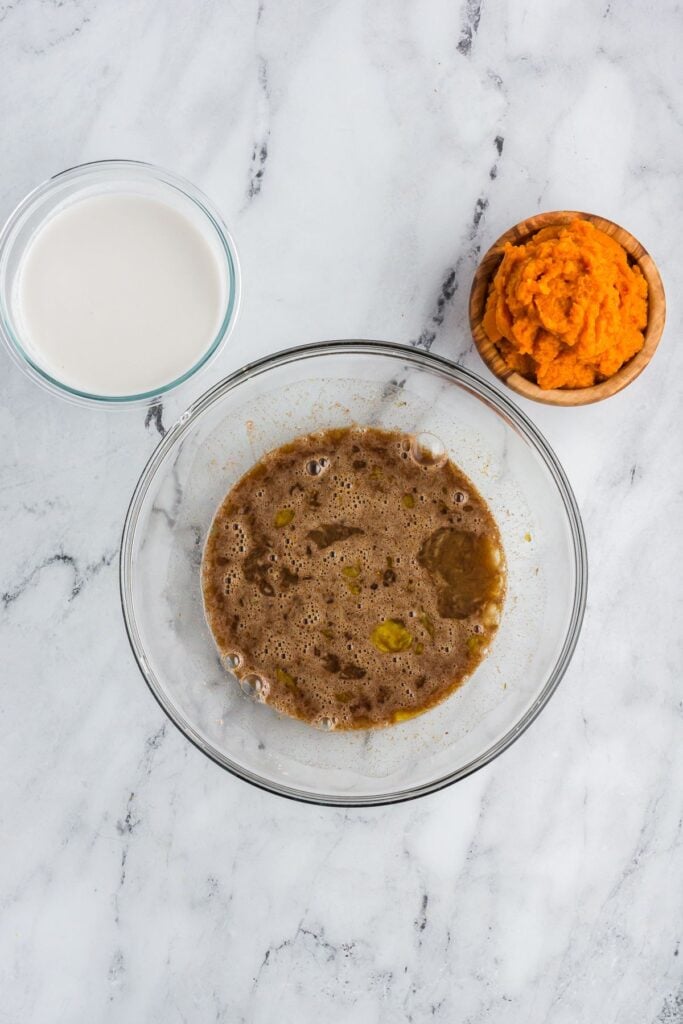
(352, 579)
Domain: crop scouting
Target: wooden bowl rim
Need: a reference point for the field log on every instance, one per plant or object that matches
(488, 265)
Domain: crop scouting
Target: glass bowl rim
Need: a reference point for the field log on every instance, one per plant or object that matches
(13, 343)
(484, 390)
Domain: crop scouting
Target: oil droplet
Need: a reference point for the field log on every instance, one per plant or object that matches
(390, 637)
(403, 716)
(352, 572)
(285, 679)
(408, 501)
(473, 644)
(427, 623)
(283, 517)
(491, 615)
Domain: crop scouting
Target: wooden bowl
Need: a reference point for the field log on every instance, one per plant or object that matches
(566, 396)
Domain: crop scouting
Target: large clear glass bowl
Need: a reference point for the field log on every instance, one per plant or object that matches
(271, 402)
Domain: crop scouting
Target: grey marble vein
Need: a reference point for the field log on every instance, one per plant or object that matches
(259, 154)
(155, 417)
(81, 574)
(470, 25)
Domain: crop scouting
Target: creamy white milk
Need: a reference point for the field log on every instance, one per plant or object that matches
(119, 294)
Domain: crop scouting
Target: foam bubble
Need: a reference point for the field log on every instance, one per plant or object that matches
(255, 687)
(427, 450)
(318, 466)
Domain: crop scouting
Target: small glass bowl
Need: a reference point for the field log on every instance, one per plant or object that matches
(336, 384)
(101, 177)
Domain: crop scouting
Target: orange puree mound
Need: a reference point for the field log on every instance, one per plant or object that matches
(566, 308)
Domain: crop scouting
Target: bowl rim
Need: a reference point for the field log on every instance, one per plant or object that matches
(484, 390)
(626, 374)
(96, 170)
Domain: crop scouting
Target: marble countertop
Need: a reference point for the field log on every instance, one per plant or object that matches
(364, 154)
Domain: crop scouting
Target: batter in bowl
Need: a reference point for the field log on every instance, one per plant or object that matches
(353, 578)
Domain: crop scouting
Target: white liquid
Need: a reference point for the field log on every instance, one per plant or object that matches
(119, 294)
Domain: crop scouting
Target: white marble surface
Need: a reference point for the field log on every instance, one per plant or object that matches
(362, 153)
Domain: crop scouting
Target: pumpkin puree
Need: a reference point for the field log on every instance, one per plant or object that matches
(566, 309)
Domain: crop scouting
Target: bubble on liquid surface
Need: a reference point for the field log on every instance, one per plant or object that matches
(428, 450)
(231, 661)
(316, 467)
(254, 687)
(326, 724)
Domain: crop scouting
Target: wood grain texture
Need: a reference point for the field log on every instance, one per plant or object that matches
(521, 233)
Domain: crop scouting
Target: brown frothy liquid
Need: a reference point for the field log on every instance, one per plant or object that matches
(352, 579)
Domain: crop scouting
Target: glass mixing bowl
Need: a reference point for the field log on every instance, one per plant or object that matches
(334, 384)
